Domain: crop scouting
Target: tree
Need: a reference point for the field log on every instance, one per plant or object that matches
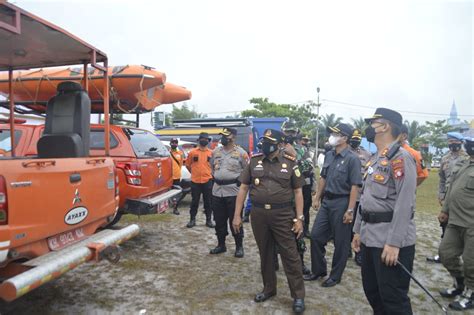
(415, 133)
(300, 114)
(330, 120)
(436, 134)
(360, 124)
(185, 112)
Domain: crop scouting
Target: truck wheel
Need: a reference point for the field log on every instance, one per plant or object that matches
(117, 218)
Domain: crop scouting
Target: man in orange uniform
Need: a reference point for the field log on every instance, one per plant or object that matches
(421, 171)
(177, 157)
(198, 164)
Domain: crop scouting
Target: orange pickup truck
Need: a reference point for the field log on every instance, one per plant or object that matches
(143, 164)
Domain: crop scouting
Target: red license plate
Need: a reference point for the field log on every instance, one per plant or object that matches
(162, 206)
(61, 240)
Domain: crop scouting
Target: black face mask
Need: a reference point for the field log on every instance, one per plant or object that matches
(354, 144)
(203, 142)
(225, 141)
(454, 147)
(174, 146)
(370, 134)
(469, 146)
(289, 139)
(268, 148)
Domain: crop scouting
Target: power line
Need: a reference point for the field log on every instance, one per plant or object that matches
(402, 111)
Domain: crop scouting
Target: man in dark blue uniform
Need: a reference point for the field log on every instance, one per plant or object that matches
(340, 182)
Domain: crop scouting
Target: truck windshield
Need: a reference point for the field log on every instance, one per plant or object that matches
(146, 144)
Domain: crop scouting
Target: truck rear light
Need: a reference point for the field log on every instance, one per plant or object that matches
(3, 201)
(251, 145)
(132, 172)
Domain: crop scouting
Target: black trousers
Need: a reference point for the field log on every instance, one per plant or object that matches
(328, 225)
(386, 288)
(223, 209)
(196, 190)
(307, 201)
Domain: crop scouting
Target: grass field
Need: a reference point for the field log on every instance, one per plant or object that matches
(427, 195)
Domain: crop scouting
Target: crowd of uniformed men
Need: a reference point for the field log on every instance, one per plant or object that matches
(363, 200)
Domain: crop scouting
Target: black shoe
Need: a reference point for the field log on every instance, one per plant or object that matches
(246, 218)
(358, 259)
(210, 224)
(434, 259)
(218, 249)
(464, 301)
(312, 277)
(330, 283)
(455, 290)
(176, 211)
(260, 297)
(298, 306)
(191, 223)
(239, 252)
(306, 271)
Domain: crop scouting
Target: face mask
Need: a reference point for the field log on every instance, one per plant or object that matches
(203, 143)
(355, 144)
(454, 147)
(327, 147)
(469, 146)
(370, 134)
(268, 148)
(225, 141)
(174, 146)
(334, 140)
(289, 139)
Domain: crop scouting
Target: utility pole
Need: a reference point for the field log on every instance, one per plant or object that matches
(318, 104)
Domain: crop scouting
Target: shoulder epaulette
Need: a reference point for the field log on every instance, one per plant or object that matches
(289, 157)
(393, 150)
(257, 154)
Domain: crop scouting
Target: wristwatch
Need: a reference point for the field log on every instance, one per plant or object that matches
(301, 218)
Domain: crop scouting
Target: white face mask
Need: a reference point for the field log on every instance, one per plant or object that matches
(334, 140)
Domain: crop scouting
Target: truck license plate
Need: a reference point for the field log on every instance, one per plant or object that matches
(162, 206)
(61, 240)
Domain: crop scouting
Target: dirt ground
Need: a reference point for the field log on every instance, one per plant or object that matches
(168, 269)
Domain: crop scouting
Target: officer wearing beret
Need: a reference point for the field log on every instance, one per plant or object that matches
(385, 229)
(454, 156)
(340, 181)
(458, 240)
(227, 163)
(275, 185)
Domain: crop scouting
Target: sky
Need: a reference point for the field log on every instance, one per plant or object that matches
(411, 56)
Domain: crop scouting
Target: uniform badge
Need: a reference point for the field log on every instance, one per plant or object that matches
(260, 162)
(398, 168)
(256, 181)
(283, 170)
(370, 170)
(379, 178)
(284, 165)
(297, 172)
(384, 163)
(259, 166)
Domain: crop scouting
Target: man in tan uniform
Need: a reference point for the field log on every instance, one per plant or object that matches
(274, 180)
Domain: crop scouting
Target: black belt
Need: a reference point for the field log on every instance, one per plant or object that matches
(270, 206)
(226, 182)
(376, 217)
(328, 195)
